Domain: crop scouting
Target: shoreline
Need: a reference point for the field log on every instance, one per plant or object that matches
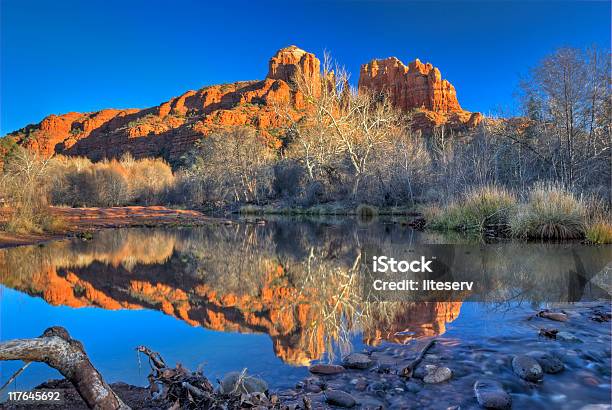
(81, 222)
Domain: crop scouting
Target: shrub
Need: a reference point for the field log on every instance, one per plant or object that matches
(476, 209)
(79, 182)
(24, 186)
(599, 233)
(550, 213)
(288, 179)
(150, 179)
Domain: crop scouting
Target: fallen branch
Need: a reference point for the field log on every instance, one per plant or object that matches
(57, 349)
(14, 376)
(408, 370)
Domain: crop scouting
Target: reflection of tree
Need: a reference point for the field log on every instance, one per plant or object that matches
(300, 283)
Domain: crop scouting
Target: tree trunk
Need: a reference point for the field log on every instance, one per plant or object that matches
(58, 350)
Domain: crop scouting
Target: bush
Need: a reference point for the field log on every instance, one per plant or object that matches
(24, 186)
(79, 182)
(475, 210)
(550, 213)
(288, 179)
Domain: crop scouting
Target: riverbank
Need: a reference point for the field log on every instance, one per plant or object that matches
(81, 222)
(561, 359)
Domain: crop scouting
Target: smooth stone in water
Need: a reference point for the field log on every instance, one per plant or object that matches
(491, 395)
(357, 361)
(549, 363)
(556, 316)
(339, 398)
(527, 368)
(326, 369)
(437, 374)
(568, 337)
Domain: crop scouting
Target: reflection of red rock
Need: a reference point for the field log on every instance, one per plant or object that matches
(137, 276)
(417, 87)
(424, 319)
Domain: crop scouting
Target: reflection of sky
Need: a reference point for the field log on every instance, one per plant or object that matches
(110, 337)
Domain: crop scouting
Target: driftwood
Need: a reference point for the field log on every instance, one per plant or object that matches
(57, 349)
(184, 389)
(408, 370)
(179, 386)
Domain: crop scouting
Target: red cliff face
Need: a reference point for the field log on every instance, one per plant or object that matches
(417, 88)
(171, 128)
(290, 61)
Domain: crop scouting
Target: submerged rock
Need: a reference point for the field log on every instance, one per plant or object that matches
(491, 395)
(326, 369)
(548, 362)
(568, 337)
(357, 361)
(527, 368)
(339, 398)
(435, 374)
(413, 387)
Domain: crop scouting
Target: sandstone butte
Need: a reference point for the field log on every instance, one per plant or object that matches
(171, 128)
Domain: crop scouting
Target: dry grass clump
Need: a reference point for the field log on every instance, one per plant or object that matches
(551, 212)
(476, 209)
(599, 233)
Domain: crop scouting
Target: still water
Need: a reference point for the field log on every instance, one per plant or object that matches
(276, 297)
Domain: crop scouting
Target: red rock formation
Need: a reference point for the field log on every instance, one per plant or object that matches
(290, 61)
(417, 88)
(171, 128)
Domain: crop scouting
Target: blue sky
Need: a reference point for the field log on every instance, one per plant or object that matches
(60, 56)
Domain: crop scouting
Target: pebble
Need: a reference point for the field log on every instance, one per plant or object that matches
(339, 398)
(357, 361)
(549, 363)
(361, 385)
(491, 395)
(527, 368)
(312, 388)
(437, 374)
(326, 369)
(413, 387)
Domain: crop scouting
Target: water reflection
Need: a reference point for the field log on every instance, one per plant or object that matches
(299, 282)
